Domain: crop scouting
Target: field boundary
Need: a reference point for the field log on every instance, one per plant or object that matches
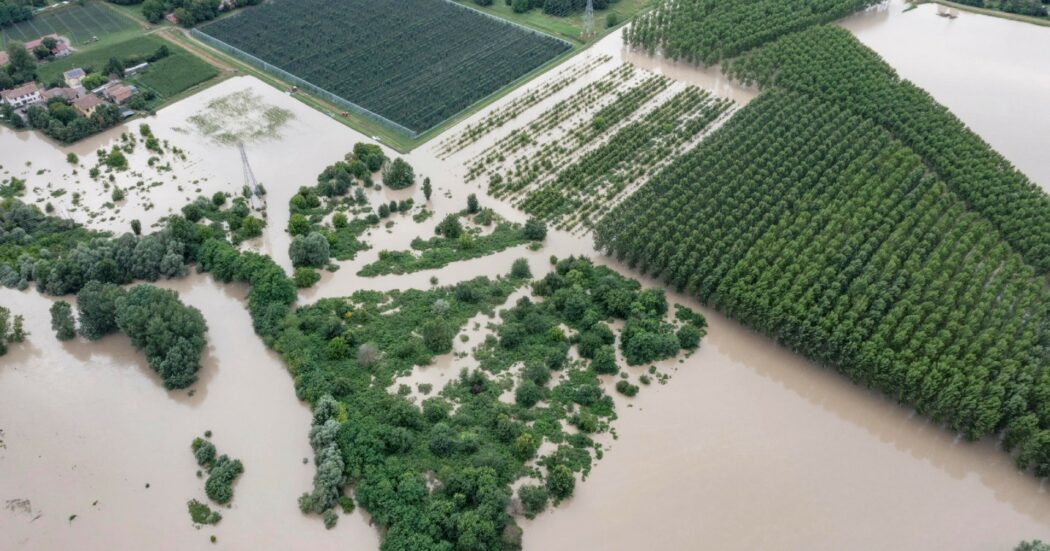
(509, 22)
(326, 95)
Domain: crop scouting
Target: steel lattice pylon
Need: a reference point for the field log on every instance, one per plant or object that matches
(588, 20)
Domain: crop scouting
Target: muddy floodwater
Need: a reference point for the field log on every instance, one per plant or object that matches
(993, 73)
(747, 446)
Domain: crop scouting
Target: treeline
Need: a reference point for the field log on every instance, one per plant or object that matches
(828, 62)
(62, 258)
(557, 8)
(1035, 8)
(16, 11)
(169, 333)
(187, 12)
(61, 122)
(708, 31)
(21, 67)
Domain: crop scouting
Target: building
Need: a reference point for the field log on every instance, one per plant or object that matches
(68, 94)
(21, 96)
(136, 69)
(73, 77)
(87, 104)
(61, 49)
(119, 93)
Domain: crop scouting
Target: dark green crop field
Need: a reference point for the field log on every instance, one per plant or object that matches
(416, 65)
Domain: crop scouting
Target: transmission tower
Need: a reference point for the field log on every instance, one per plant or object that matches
(588, 20)
(249, 177)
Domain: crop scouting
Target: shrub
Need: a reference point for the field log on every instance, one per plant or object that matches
(399, 175)
(312, 251)
(535, 230)
(560, 482)
(626, 388)
(520, 269)
(62, 320)
(533, 499)
(305, 277)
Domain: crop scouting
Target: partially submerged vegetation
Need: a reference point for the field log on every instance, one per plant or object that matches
(456, 242)
(847, 215)
(169, 333)
(458, 452)
(11, 329)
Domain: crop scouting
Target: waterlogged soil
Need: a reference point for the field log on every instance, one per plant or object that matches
(747, 445)
(993, 73)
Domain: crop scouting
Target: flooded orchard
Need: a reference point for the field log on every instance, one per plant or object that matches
(993, 73)
(747, 445)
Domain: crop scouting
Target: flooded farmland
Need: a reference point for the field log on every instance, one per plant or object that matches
(747, 445)
(993, 73)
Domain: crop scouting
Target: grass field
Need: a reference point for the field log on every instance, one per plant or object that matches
(569, 28)
(80, 24)
(175, 73)
(417, 66)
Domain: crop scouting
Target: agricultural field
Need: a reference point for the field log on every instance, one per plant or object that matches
(416, 67)
(170, 76)
(82, 25)
(174, 74)
(849, 216)
(585, 153)
(707, 31)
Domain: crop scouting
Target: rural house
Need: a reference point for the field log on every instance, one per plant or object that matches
(119, 93)
(68, 94)
(21, 96)
(87, 104)
(73, 77)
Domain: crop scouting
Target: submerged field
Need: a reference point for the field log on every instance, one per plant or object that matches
(415, 66)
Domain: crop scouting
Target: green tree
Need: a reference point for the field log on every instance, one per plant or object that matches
(311, 251)
(399, 175)
(533, 499)
(171, 334)
(62, 320)
(427, 190)
(560, 482)
(97, 309)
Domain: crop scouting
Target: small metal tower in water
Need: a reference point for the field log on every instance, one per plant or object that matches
(588, 20)
(249, 177)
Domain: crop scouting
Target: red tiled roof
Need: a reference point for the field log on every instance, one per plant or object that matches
(27, 88)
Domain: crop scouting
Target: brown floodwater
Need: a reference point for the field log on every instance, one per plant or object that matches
(747, 445)
(87, 426)
(993, 73)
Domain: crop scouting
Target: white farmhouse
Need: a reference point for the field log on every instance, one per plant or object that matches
(23, 95)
